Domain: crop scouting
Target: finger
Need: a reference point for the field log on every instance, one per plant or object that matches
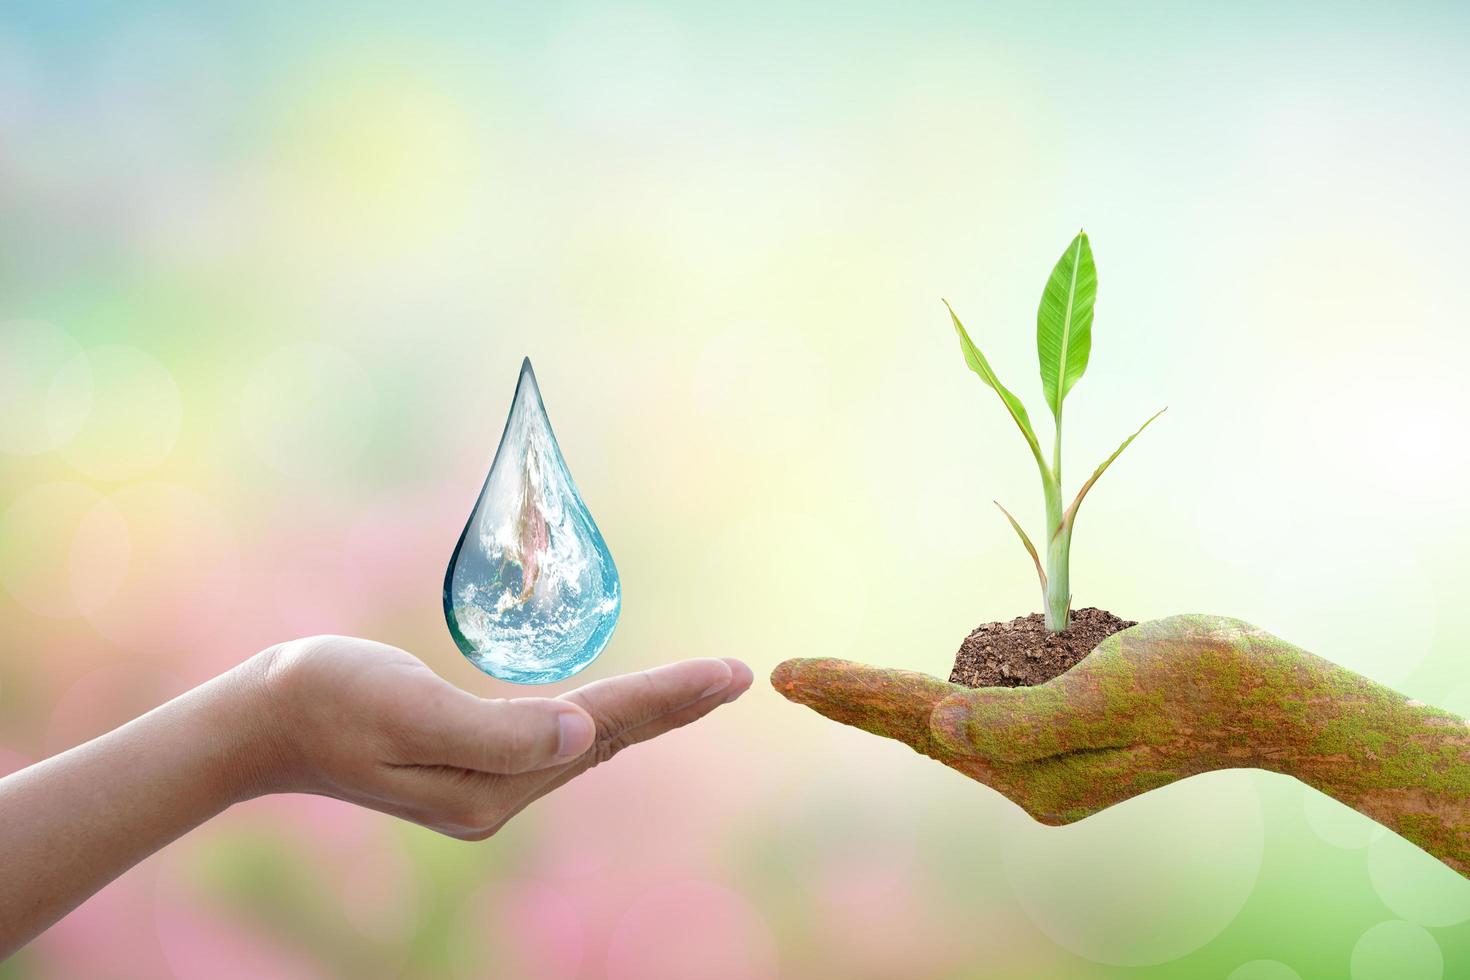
(618, 704)
(1029, 724)
(463, 803)
(470, 803)
(892, 703)
(533, 786)
(741, 677)
(505, 737)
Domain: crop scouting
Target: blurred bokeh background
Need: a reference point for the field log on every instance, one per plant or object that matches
(267, 272)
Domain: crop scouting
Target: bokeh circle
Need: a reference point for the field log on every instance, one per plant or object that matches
(691, 928)
(182, 583)
(1415, 886)
(1397, 950)
(1338, 824)
(1264, 970)
(32, 352)
(63, 549)
(1147, 881)
(106, 698)
(121, 409)
(525, 928)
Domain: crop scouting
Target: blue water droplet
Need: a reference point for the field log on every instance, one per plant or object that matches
(531, 594)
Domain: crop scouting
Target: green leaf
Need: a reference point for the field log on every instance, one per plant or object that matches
(981, 366)
(1064, 322)
(1031, 548)
(1071, 514)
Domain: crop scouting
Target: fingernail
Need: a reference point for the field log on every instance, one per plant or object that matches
(735, 694)
(716, 688)
(574, 733)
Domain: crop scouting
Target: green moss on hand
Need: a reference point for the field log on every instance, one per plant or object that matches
(1166, 700)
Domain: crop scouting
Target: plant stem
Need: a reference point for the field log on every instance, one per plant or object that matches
(1058, 588)
(1057, 596)
(1057, 593)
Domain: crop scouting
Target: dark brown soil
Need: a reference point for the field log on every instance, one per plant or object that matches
(1022, 652)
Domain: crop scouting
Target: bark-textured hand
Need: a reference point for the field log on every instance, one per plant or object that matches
(1165, 700)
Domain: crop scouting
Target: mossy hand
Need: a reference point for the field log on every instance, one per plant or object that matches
(1165, 700)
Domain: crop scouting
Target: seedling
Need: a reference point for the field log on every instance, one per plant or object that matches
(1063, 343)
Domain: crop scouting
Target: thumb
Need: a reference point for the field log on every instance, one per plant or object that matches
(514, 736)
(1026, 724)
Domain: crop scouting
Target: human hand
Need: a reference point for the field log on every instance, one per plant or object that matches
(1162, 701)
(371, 724)
(352, 719)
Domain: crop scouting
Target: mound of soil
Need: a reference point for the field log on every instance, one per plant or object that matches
(1022, 652)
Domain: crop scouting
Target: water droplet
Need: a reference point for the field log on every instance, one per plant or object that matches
(531, 594)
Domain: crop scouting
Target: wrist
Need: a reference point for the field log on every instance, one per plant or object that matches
(247, 733)
(1351, 735)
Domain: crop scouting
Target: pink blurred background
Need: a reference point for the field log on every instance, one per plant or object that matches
(267, 272)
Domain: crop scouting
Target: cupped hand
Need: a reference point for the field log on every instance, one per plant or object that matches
(371, 724)
(1162, 701)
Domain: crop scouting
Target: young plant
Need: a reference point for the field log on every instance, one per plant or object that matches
(1063, 342)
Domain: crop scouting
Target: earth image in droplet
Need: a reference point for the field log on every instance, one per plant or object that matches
(531, 594)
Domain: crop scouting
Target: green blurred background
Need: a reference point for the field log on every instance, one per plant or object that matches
(267, 272)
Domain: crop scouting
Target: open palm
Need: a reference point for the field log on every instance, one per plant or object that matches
(371, 724)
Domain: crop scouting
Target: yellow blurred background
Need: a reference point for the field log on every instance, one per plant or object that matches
(267, 273)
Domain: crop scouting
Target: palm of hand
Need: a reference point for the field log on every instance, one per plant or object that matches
(371, 724)
(1153, 704)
